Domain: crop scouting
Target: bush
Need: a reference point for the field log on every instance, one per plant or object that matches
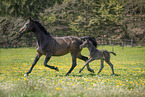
(10, 33)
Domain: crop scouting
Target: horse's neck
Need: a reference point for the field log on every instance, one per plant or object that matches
(41, 36)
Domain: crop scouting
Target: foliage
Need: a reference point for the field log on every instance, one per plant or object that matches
(133, 20)
(82, 17)
(10, 37)
(111, 19)
(25, 8)
(128, 64)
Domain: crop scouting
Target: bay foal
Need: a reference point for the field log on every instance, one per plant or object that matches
(96, 54)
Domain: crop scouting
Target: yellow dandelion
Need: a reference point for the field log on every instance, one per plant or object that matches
(88, 88)
(117, 86)
(58, 88)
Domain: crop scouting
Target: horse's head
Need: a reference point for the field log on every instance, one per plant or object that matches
(28, 26)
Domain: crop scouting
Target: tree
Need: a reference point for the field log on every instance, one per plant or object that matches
(82, 17)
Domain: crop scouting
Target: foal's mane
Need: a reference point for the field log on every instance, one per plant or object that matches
(42, 27)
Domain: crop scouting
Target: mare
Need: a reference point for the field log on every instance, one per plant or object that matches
(49, 45)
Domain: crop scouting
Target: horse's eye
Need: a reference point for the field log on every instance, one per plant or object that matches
(27, 24)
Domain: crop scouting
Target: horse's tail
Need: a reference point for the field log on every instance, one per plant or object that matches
(113, 53)
(91, 38)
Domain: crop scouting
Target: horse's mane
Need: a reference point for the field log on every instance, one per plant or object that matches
(41, 27)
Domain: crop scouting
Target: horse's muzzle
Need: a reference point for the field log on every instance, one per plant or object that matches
(81, 47)
(21, 30)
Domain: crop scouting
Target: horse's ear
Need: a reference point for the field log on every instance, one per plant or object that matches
(87, 40)
(31, 19)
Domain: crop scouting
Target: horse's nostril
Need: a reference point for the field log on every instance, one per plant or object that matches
(20, 31)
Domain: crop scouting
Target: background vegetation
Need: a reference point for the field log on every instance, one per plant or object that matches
(110, 19)
(44, 82)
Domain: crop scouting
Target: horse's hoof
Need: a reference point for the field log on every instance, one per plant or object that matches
(25, 75)
(56, 69)
(91, 70)
(80, 71)
(67, 74)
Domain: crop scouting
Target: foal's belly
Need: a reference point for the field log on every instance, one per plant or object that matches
(98, 55)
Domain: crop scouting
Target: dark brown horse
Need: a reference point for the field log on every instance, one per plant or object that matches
(55, 46)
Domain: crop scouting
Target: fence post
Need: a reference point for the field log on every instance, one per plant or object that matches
(102, 46)
(112, 47)
(102, 43)
(131, 42)
(111, 43)
(122, 44)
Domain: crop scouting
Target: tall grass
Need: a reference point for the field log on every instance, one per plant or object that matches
(128, 64)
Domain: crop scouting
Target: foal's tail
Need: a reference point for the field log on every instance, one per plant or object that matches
(91, 38)
(113, 53)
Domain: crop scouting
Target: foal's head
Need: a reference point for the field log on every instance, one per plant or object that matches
(28, 26)
(85, 43)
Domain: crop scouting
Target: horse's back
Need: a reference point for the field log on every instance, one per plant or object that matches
(64, 45)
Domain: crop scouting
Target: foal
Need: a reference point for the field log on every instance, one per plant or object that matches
(96, 54)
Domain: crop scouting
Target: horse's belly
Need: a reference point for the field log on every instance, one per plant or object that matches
(60, 52)
(62, 46)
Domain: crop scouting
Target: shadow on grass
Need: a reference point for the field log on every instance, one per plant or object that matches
(117, 74)
(88, 75)
(77, 75)
(103, 75)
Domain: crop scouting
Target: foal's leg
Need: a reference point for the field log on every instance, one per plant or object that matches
(46, 60)
(101, 65)
(107, 59)
(86, 64)
(34, 63)
(111, 65)
(85, 59)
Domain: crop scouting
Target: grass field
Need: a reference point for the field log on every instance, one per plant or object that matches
(129, 65)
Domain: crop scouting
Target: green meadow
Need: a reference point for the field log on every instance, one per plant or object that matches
(129, 81)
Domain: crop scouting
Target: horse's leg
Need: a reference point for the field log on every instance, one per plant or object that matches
(74, 64)
(34, 63)
(86, 64)
(101, 65)
(85, 59)
(46, 60)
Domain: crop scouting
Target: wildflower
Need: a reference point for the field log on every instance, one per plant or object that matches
(82, 82)
(131, 82)
(117, 86)
(57, 88)
(88, 88)
(94, 84)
